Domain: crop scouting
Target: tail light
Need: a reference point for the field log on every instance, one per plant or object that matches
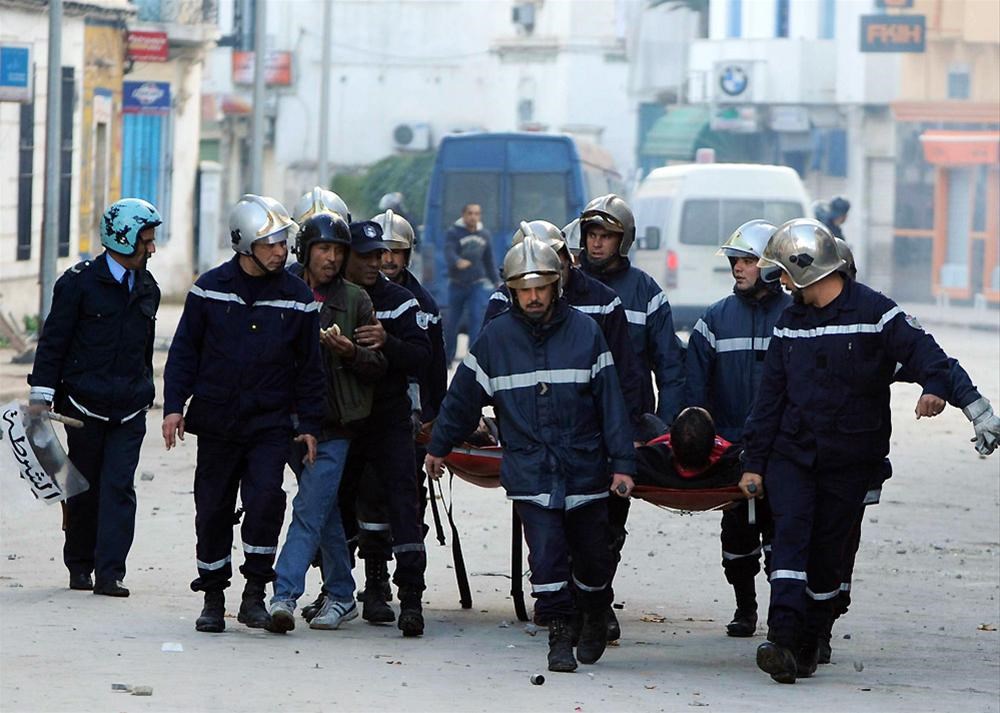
(672, 263)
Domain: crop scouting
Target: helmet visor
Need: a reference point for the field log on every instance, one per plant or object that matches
(607, 220)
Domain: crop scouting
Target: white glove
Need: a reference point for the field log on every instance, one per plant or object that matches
(986, 423)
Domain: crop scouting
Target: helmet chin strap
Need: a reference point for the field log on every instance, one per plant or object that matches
(258, 263)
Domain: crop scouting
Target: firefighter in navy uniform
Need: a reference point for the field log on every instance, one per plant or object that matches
(819, 430)
(547, 370)
(723, 366)
(607, 231)
(385, 440)
(94, 362)
(426, 394)
(246, 353)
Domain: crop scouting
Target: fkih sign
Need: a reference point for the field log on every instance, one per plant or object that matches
(893, 33)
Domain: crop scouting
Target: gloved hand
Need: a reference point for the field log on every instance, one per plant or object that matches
(986, 424)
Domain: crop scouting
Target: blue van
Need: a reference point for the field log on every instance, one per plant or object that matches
(514, 177)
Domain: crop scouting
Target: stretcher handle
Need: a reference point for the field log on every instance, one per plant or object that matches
(752, 505)
(66, 420)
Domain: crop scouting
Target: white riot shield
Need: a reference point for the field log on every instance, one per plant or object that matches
(38, 454)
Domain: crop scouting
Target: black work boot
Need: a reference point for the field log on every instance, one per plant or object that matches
(825, 651)
(614, 628)
(310, 610)
(806, 658)
(593, 636)
(777, 660)
(411, 616)
(744, 622)
(561, 657)
(374, 608)
(252, 612)
(213, 614)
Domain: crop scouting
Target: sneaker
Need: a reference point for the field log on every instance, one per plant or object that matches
(332, 614)
(282, 614)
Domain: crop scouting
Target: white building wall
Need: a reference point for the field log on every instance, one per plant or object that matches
(19, 279)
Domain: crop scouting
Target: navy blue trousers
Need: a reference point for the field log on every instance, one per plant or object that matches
(568, 552)
(743, 543)
(255, 470)
(100, 522)
(814, 511)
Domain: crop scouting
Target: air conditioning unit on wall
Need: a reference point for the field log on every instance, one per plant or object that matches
(412, 136)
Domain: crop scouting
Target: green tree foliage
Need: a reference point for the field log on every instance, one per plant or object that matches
(409, 174)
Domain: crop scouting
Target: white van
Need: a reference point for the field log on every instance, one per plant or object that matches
(684, 213)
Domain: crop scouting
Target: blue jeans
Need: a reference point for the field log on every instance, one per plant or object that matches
(316, 523)
(467, 301)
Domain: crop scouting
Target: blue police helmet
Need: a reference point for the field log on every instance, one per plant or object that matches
(124, 220)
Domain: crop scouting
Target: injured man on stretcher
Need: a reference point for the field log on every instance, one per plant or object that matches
(690, 455)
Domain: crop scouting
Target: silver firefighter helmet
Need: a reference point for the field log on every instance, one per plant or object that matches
(320, 200)
(804, 250)
(397, 232)
(256, 218)
(541, 230)
(532, 263)
(613, 214)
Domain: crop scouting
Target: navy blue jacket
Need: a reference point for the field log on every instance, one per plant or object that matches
(555, 391)
(599, 301)
(434, 381)
(725, 357)
(824, 397)
(476, 247)
(406, 347)
(246, 364)
(651, 326)
(96, 347)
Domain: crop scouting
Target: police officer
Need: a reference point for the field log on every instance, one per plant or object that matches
(607, 231)
(385, 439)
(426, 394)
(94, 362)
(246, 353)
(819, 430)
(596, 299)
(351, 372)
(548, 373)
(723, 366)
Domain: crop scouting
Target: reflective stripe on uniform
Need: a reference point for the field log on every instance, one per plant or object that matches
(598, 309)
(470, 362)
(256, 550)
(553, 587)
(822, 596)
(290, 304)
(43, 393)
(655, 302)
(788, 574)
(834, 329)
(413, 547)
(635, 317)
(85, 411)
(542, 499)
(218, 564)
(395, 313)
(845, 586)
(603, 360)
(574, 501)
(583, 587)
(742, 344)
(499, 296)
(216, 295)
(373, 526)
(548, 376)
(734, 556)
(701, 328)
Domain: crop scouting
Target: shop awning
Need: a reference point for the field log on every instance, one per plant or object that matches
(674, 134)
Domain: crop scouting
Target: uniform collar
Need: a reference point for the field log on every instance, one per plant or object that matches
(116, 269)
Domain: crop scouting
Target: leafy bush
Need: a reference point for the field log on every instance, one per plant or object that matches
(410, 174)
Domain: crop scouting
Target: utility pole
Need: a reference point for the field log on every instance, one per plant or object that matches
(53, 144)
(259, 63)
(323, 170)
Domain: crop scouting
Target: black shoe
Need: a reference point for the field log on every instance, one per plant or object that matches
(81, 581)
(111, 589)
(561, 657)
(593, 637)
(777, 661)
(374, 608)
(825, 650)
(252, 611)
(310, 610)
(614, 628)
(411, 616)
(213, 614)
(806, 659)
(744, 623)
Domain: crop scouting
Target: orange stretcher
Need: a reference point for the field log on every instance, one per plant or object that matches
(480, 466)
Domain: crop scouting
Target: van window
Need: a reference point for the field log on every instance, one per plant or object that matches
(539, 196)
(461, 188)
(710, 221)
(651, 212)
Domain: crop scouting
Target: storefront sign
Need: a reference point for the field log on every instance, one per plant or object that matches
(737, 119)
(893, 33)
(277, 68)
(146, 97)
(148, 46)
(893, 3)
(15, 73)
